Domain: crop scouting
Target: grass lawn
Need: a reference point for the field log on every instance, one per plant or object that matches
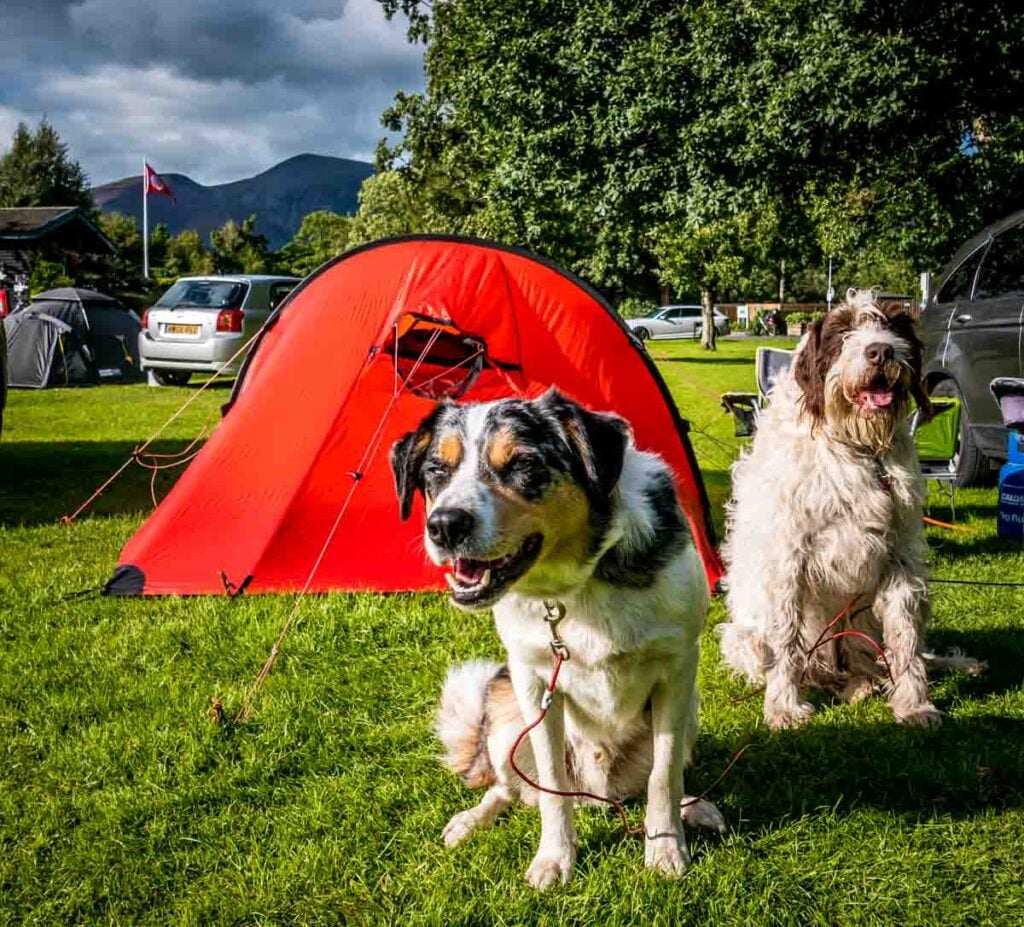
(120, 802)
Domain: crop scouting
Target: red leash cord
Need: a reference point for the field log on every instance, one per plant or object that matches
(555, 613)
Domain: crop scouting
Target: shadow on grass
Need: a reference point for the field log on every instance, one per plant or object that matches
(965, 546)
(960, 768)
(42, 481)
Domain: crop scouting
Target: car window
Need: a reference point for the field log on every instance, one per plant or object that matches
(961, 281)
(203, 294)
(690, 312)
(1002, 273)
(672, 314)
(278, 291)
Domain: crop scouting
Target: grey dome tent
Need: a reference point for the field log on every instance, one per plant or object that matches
(72, 337)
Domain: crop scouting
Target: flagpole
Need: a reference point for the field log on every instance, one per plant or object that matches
(145, 224)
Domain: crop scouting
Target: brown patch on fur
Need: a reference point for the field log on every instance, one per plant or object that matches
(423, 441)
(562, 515)
(501, 449)
(501, 704)
(449, 450)
(905, 327)
(822, 349)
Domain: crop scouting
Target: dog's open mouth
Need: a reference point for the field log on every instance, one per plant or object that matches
(871, 401)
(878, 397)
(480, 582)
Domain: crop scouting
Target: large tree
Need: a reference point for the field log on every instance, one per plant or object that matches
(321, 236)
(38, 171)
(237, 248)
(591, 130)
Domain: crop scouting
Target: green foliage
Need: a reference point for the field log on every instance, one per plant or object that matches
(239, 249)
(879, 134)
(321, 236)
(48, 274)
(389, 205)
(38, 171)
(634, 307)
(185, 255)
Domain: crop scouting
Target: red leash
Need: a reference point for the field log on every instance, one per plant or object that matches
(555, 613)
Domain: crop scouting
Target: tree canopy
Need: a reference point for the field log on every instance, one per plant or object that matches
(604, 134)
(37, 171)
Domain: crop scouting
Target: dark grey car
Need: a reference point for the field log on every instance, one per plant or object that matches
(972, 332)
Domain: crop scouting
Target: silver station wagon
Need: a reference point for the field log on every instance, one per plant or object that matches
(202, 322)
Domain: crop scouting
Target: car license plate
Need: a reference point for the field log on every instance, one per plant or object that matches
(176, 329)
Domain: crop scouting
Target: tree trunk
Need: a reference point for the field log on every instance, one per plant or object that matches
(782, 283)
(708, 333)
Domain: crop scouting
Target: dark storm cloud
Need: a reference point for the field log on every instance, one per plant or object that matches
(214, 88)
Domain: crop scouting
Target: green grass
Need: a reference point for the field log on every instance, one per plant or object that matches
(120, 802)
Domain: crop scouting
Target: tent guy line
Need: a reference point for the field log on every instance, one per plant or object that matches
(245, 709)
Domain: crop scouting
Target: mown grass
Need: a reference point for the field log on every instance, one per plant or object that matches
(121, 802)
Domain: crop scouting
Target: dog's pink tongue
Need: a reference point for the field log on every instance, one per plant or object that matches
(875, 398)
(469, 572)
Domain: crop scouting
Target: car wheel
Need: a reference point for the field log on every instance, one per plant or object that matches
(642, 333)
(969, 463)
(172, 377)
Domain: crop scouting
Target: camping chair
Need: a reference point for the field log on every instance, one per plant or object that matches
(936, 443)
(1009, 393)
(745, 407)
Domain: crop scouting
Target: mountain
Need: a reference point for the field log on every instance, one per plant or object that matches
(279, 197)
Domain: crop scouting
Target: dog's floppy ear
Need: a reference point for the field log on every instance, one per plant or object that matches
(407, 456)
(809, 374)
(905, 327)
(598, 441)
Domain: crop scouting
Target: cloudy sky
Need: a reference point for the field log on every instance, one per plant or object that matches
(216, 89)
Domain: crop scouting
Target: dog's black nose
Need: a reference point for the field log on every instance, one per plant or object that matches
(878, 353)
(449, 527)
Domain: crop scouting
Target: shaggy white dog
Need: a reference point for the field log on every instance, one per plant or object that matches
(827, 510)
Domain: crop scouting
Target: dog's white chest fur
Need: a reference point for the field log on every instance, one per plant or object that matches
(621, 642)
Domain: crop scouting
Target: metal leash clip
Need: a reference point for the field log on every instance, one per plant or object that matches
(555, 612)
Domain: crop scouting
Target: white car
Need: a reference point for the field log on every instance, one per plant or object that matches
(675, 322)
(201, 322)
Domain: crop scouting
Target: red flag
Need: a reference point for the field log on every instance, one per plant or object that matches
(152, 183)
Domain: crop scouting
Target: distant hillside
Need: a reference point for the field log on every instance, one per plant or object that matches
(280, 197)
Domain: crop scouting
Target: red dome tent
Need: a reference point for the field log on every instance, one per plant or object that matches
(353, 359)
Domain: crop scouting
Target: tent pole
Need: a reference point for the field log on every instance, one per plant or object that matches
(145, 224)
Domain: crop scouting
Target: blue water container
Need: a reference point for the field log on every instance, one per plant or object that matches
(1010, 519)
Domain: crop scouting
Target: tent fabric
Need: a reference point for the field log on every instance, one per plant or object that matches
(353, 359)
(72, 337)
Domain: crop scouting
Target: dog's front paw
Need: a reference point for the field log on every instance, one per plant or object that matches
(926, 715)
(697, 812)
(858, 689)
(667, 854)
(780, 719)
(551, 867)
(459, 828)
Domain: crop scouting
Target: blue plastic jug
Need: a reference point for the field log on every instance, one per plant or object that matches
(1010, 518)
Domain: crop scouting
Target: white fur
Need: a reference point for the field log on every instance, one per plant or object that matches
(461, 708)
(811, 526)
